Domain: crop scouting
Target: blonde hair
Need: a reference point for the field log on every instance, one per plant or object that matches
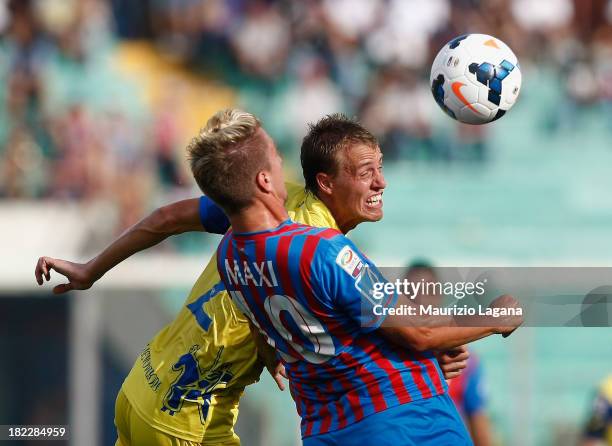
(226, 155)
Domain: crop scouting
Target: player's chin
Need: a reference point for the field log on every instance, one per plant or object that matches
(372, 214)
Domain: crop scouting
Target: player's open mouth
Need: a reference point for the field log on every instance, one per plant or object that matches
(375, 201)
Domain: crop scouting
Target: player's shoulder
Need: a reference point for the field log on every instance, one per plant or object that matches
(317, 241)
(325, 238)
(336, 248)
(294, 189)
(297, 230)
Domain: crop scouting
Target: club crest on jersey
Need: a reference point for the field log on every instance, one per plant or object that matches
(349, 261)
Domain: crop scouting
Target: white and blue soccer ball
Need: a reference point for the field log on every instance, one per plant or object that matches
(475, 78)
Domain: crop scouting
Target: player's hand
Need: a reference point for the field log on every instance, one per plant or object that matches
(77, 274)
(278, 373)
(507, 324)
(452, 362)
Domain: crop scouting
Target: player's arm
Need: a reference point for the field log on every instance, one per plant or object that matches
(438, 338)
(267, 355)
(449, 332)
(197, 214)
(358, 295)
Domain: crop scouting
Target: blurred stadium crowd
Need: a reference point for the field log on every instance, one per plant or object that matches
(77, 126)
(72, 127)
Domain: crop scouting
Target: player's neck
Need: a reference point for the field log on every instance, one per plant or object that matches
(260, 216)
(335, 208)
(347, 225)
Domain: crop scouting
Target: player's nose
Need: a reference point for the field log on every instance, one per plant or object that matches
(379, 182)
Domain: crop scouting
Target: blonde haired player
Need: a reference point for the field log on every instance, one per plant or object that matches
(185, 387)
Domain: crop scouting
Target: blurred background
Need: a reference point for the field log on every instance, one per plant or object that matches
(98, 99)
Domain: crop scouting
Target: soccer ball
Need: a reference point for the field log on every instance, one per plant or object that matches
(475, 78)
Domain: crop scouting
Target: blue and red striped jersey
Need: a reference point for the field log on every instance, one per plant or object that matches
(310, 291)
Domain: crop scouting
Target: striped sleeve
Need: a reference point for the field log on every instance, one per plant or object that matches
(352, 283)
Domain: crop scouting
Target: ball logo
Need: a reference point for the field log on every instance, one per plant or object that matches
(456, 86)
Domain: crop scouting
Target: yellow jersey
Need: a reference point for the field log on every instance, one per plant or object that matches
(188, 380)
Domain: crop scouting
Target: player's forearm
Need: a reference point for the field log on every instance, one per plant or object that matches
(264, 350)
(135, 239)
(435, 338)
(460, 330)
(444, 338)
(446, 332)
(160, 224)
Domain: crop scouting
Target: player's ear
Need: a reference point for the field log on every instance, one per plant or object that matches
(264, 181)
(324, 183)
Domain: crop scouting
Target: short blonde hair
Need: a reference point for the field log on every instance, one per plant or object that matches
(226, 155)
